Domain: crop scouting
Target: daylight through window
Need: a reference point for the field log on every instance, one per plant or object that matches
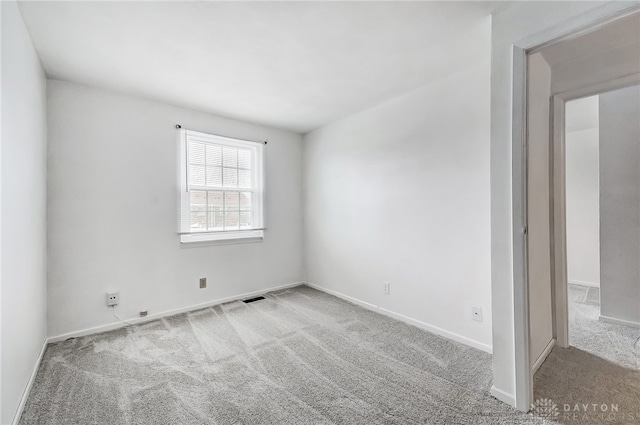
(222, 188)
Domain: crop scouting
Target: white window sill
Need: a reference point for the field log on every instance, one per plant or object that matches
(223, 238)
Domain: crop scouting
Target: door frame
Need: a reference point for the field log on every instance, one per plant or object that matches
(559, 280)
(575, 27)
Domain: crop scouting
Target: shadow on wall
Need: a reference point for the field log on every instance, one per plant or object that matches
(586, 389)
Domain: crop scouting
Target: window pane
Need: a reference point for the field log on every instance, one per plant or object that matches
(214, 155)
(230, 157)
(216, 221)
(231, 201)
(222, 184)
(244, 158)
(244, 178)
(196, 153)
(215, 201)
(196, 175)
(246, 220)
(214, 176)
(231, 220)
(245, 201)
(230, 177)
(198, 221)
(198, 199)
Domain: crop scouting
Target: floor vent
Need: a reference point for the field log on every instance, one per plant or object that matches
(250, 300)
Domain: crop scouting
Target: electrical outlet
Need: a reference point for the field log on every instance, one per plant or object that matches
(203, 282)
(386, 288)
(477, 314)
(113, 298)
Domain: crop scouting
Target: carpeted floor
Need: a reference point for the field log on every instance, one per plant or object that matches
(597, 380)
(298, 357)
(617, 343)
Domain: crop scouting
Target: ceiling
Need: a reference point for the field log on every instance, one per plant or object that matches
(291, 65)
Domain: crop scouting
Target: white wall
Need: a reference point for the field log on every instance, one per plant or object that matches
(112, 184)
(23, 265)
(620, 204)
(400, 193)
(539, 245)
(516, 22)
(582, 191)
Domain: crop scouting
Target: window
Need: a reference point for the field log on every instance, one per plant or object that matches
(221, 188)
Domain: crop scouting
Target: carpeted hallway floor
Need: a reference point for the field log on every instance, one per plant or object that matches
(298, 357)
(599, 372)
(617, 343)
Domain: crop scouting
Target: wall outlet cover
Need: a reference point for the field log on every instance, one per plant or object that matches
(113, 298)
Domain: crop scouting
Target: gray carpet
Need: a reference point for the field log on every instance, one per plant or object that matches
(298, 357)
(597, 380)
(617, 343)
(588, 389)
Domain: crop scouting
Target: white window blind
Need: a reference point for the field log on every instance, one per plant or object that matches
(221, 183)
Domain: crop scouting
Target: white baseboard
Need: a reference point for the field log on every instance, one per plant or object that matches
(422, 325)
(615, 321)
(138, 320)
(543, 356)
(503, 396)
(581, 283)
(27, 389)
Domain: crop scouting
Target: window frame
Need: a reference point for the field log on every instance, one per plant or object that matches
(253, 234)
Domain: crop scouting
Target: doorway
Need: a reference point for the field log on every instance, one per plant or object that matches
(602, 194)
(582, 201)
(596, 217)
(591, 61)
